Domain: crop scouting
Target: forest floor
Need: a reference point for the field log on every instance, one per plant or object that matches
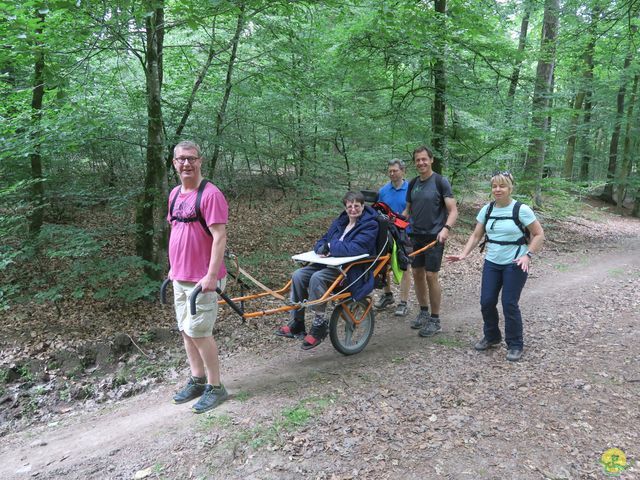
(404, 408)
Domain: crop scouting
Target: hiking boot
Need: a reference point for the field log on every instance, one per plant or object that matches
(430, 328)
(422, 318)
(316, 335)
(384, 301)
(211, 398)
(294, 329)
(514, 354)
(485, 344)
(401, 310)
(193, 389)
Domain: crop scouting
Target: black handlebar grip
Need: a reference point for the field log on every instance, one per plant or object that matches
(231, 303)
(192, 300)
(163, 291)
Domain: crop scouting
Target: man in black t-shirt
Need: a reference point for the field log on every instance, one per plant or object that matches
(432, 212)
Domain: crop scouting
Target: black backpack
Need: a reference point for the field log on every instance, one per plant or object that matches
(515, 217)
(198, 217)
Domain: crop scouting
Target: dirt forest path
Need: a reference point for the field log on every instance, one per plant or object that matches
(406, 407)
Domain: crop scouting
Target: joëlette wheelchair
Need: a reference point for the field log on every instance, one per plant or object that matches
(352, 322)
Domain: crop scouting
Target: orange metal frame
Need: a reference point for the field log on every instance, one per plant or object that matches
(328, 295)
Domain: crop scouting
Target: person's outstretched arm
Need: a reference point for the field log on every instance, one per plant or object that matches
(475, 238)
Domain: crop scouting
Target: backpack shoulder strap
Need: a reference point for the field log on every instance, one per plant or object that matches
(487, 214)
(439, 184)
(516, 215)
(199, 216)
(173, 203)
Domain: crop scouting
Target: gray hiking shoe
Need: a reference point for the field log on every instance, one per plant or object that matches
(430, 328)
(211, 398)
(421, 320)
(193, 389)
(384, 301)
(514, 354)
(485, 344)
(401, 310)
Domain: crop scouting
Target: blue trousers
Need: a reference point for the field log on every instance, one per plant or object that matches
(310, 283)
(510, 279)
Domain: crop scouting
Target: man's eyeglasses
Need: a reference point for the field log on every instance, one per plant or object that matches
(189, 160)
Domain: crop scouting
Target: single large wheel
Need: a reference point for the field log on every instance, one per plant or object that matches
(351, 326)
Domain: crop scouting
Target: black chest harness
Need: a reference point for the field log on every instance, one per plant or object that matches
(515, 217)
(198, 217)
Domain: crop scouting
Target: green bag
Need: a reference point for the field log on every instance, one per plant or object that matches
(395, 268)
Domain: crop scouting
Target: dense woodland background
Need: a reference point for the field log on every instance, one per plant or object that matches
(293, 101)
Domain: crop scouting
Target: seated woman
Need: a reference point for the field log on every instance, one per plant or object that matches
(353, 233)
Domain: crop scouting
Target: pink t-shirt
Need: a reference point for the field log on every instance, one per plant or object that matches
(189, 244)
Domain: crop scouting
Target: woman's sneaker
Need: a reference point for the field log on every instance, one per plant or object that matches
(514, 354)
(485, 344)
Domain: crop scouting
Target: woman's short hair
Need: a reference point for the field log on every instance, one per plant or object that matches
(353, 197)
(503, 178)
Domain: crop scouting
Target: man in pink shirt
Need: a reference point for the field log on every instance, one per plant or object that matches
(196, 256)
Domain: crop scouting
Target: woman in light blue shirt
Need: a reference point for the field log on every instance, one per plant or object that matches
(505, 225)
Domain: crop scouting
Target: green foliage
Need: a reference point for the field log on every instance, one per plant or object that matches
(563, 198)
(322, 95)
(76, 266)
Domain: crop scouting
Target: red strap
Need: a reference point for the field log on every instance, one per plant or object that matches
(311, 340)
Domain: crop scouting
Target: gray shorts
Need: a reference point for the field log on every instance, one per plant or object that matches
(201, 324)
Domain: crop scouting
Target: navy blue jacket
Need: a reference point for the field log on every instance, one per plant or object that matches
(360, 239)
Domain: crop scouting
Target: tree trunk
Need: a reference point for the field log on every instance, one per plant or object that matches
(227, 91)
(541, 96)
(438, 124)
(588, 80)
(151, 234)
(573, 133)
(515, 75)
(35, 157)
(626, 150)
(342, 150)
(607, 194)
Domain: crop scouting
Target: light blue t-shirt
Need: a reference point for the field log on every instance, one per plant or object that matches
(505, 231)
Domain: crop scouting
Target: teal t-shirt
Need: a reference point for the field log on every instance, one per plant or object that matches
(505, 231)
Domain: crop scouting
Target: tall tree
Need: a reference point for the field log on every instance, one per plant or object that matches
(438, 124)
(228, 85)
(629, 134)
(35, 156)
(150, 216)
(515, 74)
(607, 193)
(541, 97)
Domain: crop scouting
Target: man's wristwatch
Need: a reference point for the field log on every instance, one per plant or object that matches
(447, 227)
(529, 254)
